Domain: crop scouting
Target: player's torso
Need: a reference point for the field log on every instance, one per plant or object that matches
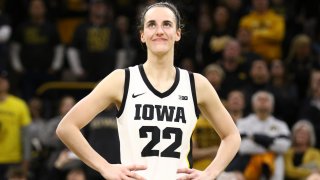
(155, 128)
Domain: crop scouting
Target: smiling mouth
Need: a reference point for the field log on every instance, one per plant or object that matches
(160, 39)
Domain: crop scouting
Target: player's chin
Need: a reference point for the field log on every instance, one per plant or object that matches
(160, 51)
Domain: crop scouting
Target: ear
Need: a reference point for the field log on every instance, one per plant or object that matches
(178, 35)
(142, 37)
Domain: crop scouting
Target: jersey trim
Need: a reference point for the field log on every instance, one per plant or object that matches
(152, 89)
(125, 92)
(194, 94)
(190, 157)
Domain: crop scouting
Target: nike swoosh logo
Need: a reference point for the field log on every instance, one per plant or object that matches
(136, 95)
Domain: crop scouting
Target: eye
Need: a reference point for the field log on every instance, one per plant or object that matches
(167, 24)
(151, 25)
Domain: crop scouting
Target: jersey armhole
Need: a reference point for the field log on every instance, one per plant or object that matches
(125, 92)
(194, 94)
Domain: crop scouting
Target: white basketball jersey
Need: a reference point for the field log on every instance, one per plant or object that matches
(155, 128)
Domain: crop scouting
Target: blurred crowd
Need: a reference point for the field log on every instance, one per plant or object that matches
(261, 56)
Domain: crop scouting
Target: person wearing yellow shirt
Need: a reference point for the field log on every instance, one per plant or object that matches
(302, 160)
(267, 30)
(14, 120)
(205, 143)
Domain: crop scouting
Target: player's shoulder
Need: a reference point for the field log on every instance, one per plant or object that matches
(115, 78)
(200, 81)
(117, 74)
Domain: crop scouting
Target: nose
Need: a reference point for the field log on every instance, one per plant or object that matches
(159, 30)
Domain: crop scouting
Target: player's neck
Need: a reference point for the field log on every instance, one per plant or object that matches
(159, 69)
(161, 59)
(159, 62)
(160, 75)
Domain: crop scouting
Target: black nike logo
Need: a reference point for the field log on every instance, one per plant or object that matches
(136, 95)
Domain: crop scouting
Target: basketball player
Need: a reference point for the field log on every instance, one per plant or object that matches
(158, 108)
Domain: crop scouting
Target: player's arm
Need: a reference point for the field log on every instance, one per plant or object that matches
(108, 91)
(199, 153)
(83, 112)
(214, 111)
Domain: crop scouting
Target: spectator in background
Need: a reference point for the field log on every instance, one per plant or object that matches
(279, 6)
(205, 144)
(5, 33)
(310, 108)
(51, 140)
(235, 104)
(300, 62)
(92, 53)
(220, 33)
(126, 54)
(285, 92)
(264, 141)
(243, 36)
(232, 63)
(201, 41)
(103, 137)
(302, 159)
(16, 174)
(259, 80)
(215, 75)
(236, 11)
(37, 132)
(266, 28)
(305, 15)
(37, 126)
(36, 52)
(67, 166)
(14, 133)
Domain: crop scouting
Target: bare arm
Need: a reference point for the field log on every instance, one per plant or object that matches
(214, 111)
(201, 153)
(108, 91)
(83, 112)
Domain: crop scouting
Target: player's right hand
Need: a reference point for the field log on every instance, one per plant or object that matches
(122, 172)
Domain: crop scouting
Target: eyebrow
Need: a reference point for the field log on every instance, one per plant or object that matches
(153, 21)
(167, 21)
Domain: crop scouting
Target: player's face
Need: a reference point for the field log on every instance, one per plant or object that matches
(160, 30)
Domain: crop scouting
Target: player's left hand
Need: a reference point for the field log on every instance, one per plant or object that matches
(193, 174)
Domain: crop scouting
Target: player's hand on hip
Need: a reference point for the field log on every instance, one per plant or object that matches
(193, 174)
(122, 172)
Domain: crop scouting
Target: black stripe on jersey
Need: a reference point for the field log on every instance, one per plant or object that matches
(194, 94)
(190, 158)
(152, 89)
(125, 92)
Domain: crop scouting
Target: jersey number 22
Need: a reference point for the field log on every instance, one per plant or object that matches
(170, 151)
